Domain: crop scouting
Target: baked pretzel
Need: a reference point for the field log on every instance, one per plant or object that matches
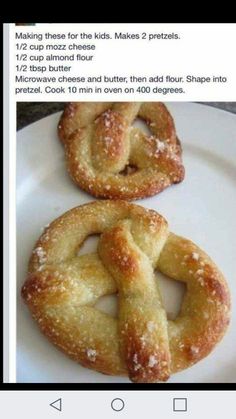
(109, 158)
(62, 288)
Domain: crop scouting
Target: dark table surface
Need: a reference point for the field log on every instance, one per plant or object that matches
(29, 112)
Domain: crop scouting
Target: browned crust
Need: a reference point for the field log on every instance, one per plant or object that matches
(78, 115)
(137, 359)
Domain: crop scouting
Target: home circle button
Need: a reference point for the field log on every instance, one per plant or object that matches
(117, 405)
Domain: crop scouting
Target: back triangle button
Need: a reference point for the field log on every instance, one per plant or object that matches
(57, 404)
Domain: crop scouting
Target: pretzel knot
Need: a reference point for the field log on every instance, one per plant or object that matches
(63, 287)
(109, 158)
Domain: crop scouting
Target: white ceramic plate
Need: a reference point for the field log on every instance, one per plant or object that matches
(202, 208)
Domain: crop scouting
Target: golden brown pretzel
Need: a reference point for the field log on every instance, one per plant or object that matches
(109, 158)
(62, 288)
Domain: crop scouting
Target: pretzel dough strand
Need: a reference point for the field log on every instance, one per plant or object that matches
(63, 287)
(146, 354)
